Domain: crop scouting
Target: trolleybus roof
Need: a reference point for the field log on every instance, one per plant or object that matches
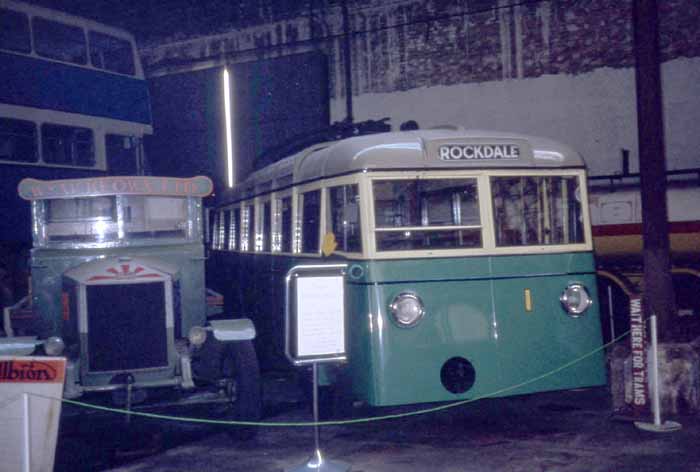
(420, 149)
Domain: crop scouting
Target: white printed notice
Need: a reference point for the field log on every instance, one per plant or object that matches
(320, 316)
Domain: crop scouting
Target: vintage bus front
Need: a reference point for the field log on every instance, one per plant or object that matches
(478, 276)
(117, 276)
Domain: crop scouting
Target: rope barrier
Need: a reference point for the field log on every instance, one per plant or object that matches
(423, 411)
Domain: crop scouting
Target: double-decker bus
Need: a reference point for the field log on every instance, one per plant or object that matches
(73, 103)
(470, 267)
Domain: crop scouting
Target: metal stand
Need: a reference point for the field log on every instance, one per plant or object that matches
(317, 462)
(27, 434)
(657, 426)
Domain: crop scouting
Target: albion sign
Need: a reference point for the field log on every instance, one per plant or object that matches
(478, 152)
(33, 371)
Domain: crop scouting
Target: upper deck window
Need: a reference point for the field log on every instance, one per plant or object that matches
(537, 210)
(59, 41)
(18, 140)
(14, 31)
(426, 214)
(68, 145)
(111, 53)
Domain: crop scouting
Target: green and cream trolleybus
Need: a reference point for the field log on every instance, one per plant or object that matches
(470, 269)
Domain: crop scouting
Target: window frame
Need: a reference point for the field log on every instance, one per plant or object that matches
(486, 214)
(35, 141)
(38, 46)
(263, 235)
(24, 17)
(44, 143)
(327, 213)
(91, 34)
(279, 237)
(299, 204)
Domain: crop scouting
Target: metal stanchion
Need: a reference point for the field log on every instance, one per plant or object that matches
(315, 332)
(657, 426)
(317, 462)
(27, 434)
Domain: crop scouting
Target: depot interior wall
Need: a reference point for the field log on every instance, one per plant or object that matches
(561, 69)
(595, 112)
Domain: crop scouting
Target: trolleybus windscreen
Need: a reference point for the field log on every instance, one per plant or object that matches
(426, 214)
(537, 210)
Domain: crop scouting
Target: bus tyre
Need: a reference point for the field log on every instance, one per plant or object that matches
(241, 364)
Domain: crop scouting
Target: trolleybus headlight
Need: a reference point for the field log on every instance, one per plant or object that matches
(575, 299)
(407, 309)
(54, 346)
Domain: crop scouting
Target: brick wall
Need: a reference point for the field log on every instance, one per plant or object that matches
(407, 44)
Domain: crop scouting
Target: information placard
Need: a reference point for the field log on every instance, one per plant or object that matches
(315, 321)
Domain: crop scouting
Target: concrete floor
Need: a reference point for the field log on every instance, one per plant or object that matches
(557, 431)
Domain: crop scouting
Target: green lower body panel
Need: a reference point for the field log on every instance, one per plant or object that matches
(493, 326)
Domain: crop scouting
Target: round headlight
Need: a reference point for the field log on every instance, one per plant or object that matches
(54, 346)
(575, 299)
(407, 309)
(197, 336)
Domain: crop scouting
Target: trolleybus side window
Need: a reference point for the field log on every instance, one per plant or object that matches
(14, 31)
(221, 232)
(233, 242)
(59, 41)
(111, 53)
(18, 140)
(284, 210)
(426, 214)
(215, 230)
(310, 221)
(226, 240)
(344, 217)
(68, 145)
(248, 228)
(265, 235)
(537, 210)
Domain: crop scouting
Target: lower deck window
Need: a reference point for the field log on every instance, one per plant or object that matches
(68, 145)
(18, 140)
(426, 214)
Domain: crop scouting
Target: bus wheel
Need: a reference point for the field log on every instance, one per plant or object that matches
(241, 366)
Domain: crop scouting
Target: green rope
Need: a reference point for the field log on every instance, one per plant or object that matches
(342, 422)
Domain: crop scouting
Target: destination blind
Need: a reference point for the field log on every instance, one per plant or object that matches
(478, 152)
